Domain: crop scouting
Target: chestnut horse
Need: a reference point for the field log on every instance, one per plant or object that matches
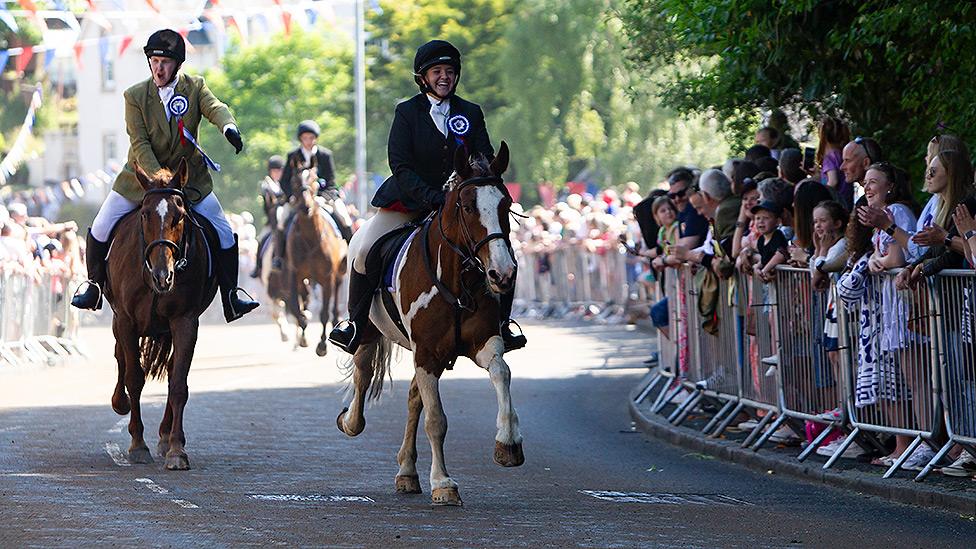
(447, 295)
(159, 283)
(316, 255)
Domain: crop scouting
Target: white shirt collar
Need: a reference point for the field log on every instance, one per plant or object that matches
(166, 93)
(439, 111)
(309, 154)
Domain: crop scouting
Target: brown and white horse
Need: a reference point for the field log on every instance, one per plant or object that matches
(316, 255)
(447, 295)
(276, 282)
(158, 286)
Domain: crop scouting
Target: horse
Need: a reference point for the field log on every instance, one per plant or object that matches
(275, 281)
(159, 283)
(448, 283)
(316, 255)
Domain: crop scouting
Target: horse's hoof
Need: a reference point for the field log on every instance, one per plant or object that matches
(177, 462)
(509, 455)
(140, 455)
(302, 343)
(322, 348)
(162, 448)
(408, 484)
(284, 338)
(339, 418)
(120, 404)
(446, 497)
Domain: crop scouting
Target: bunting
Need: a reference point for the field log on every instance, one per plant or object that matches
(15, 156)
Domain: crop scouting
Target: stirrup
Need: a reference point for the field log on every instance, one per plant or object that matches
(512, 341)
(90, 282)
(338, 330)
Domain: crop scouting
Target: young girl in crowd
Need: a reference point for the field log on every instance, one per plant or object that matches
(834, 135)
(826, 262)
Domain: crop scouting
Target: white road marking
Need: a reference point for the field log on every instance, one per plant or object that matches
(664, 498)
(119, 426)
(185, 504)
(151, 484)
(311, 498)
(114, 452)
(12, 428)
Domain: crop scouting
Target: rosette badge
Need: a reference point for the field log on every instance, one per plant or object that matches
(459, 124)
(178, 105)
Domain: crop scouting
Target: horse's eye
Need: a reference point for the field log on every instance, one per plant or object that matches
(468, 208)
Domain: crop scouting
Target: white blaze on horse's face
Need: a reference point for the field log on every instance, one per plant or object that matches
(162, 208)
(500, 266)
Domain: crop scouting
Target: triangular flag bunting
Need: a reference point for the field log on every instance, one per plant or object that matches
(24, 58)
(48, 58)
(79, 48)
(29, 6)
(4, 55)
(124, 44)
(152, 6)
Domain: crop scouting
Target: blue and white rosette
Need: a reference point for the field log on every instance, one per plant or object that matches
(459, 126)
(178, 106)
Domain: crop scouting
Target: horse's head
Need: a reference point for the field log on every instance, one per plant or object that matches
(476, 214)
(163, 223)
(304, 182)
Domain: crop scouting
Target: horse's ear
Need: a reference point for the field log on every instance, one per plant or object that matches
(141, 176)
(500, 163)
(461, 165)
(181, 175)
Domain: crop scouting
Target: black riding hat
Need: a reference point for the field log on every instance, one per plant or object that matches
(276, 162)
(308, 126)
(435, 52)
(166, 43)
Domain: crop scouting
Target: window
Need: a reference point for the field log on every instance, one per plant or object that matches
(109, 148)
(108, 75)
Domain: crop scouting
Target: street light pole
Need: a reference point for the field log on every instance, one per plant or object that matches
(360, 75)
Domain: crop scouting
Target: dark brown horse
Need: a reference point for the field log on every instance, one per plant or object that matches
(316, 255)
(277, 282)
(447, 296)
(158, 285)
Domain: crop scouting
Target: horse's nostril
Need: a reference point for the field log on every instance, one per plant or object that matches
(493, 274)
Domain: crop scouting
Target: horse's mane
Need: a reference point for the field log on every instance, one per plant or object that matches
(479, 166)
(161, 178)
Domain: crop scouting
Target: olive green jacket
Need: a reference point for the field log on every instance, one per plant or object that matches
(154, 142)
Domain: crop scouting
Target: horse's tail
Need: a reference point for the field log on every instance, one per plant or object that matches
(379, 356)
(157, 354)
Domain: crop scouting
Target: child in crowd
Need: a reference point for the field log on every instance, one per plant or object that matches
(666, 216)
(828, 259)
(772, 244)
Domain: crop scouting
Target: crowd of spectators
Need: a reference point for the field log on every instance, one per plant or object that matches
(33, 246)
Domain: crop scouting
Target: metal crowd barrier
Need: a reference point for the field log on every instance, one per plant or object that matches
(37, 323)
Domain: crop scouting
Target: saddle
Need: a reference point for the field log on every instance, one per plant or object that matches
(381, 265)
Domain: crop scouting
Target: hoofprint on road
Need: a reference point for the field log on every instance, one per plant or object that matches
(269, 466)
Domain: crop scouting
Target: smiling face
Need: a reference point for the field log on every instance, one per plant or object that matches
(876, 188)
(750, 199)
(441, 79)
(163, 70)
(666, 215)
(823, 224)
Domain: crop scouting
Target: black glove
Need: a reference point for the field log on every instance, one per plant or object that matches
(234, 138)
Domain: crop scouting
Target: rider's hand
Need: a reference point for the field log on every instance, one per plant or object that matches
(234, 138)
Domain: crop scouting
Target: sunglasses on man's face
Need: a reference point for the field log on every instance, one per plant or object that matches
(678, 194)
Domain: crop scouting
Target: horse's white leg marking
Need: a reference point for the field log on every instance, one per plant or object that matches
(407, 456)
(435, 425)
(491, 358)
(488, 199)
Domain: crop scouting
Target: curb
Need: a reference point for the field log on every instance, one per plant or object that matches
(896, 490)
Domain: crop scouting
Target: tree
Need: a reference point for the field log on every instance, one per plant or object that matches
(271, 87)
(893, 69)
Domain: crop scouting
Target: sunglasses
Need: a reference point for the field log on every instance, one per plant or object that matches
(678, 194)
(860, 141)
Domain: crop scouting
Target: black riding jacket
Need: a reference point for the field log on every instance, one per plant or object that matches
(422, 158)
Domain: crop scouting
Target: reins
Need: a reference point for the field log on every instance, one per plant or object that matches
(179, 250)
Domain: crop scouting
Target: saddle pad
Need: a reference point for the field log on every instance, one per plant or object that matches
(390, 278)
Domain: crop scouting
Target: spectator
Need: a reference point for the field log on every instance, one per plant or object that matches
(692, 225)
(772, 245)
(756, 152)
(834, 134)
(720, 205)
(741, 171)
(769, 138)
(778, 121)
(791, 166)
(768, 164)
(746, 236)
(779, 192)
(808, 194)
(857, 156)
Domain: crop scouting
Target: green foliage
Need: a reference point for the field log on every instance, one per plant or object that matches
(15, 89)
(270, 88)
(893, 69)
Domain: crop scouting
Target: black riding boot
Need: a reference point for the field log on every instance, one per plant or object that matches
(346, 334)
(259, 260)
(227, 265)
(95, 253)
(512, 340)
(278, 254)
(344, 230)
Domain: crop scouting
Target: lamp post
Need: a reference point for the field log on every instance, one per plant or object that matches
(360, 75)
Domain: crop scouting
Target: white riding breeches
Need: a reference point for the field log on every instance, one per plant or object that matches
(373, 228)
(116, 206)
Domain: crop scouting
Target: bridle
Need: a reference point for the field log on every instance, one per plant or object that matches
(179, 250)
(469, 251)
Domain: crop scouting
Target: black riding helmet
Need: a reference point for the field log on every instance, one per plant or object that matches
(166, 43)
(436, 52)
(276, 162)
(308, 126)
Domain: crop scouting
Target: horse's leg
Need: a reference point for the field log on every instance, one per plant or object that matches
(443, 489)
(120, 401)
(280, 318)
(407, 480)
(165, 428)
(351, 420)
(298, 304)
(184, 340)
(508, 441)
(326, 287)
(135, 378)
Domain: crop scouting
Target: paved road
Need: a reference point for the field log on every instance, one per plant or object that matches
(269, 466)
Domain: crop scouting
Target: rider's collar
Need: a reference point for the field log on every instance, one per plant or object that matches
(307, 154)
(437, 101)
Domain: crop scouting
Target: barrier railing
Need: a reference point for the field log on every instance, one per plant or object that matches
(37, 323)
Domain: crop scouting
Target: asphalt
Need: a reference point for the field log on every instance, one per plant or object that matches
(270, 468)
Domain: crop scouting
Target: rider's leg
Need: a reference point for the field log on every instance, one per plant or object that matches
(227, 260)
(361, 287)
(284, 218)
(512, 340)
(342, 218)
(262, 245)
(114, 208)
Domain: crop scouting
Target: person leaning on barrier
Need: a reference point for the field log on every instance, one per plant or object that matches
(967, 226)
